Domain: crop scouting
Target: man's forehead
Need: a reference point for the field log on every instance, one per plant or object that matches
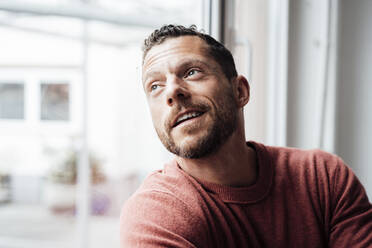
(179, 46)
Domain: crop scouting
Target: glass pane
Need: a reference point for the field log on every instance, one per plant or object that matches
(11, 101)
(38, 195)
(54, 101)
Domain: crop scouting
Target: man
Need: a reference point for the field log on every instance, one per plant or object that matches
(221, 191)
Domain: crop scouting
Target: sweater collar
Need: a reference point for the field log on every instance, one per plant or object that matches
(242, 195)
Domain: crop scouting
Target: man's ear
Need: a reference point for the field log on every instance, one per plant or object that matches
(242, 90)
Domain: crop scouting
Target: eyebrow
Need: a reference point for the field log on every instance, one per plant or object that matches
(150, 75)
(182, 64)
(192, 62)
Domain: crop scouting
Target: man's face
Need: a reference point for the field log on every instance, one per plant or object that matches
(191, 101)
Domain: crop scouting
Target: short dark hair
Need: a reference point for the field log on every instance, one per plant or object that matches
(215, 49)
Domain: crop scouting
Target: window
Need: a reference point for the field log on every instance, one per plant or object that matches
(11, 101)
(54, 101)
(82, 88)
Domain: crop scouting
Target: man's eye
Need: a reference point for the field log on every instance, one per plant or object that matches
(191, 72)
(154, 87)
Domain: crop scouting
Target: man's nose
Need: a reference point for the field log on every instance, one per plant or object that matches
(177, 91)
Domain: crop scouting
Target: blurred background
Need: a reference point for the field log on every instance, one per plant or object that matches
(76, 138)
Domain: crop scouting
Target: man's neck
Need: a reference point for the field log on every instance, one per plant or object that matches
(234, 164)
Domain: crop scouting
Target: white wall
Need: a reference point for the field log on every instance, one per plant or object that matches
(306, 63)
(354, 105)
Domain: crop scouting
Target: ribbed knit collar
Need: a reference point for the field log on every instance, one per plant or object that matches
(242, 195)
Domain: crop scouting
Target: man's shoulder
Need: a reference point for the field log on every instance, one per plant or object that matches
(170, 187)
(313, 166)
(171, 180)
(319, 170)
(165, 207)
(304, 158)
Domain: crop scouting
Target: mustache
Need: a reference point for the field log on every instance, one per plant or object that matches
(182, 106)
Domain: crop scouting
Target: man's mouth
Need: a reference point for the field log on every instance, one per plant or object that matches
(187, 116)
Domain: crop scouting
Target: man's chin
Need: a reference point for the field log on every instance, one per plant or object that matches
(193, 149)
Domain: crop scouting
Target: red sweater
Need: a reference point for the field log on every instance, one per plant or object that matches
(300, 199)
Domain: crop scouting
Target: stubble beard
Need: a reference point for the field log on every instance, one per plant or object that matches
(224, 123)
